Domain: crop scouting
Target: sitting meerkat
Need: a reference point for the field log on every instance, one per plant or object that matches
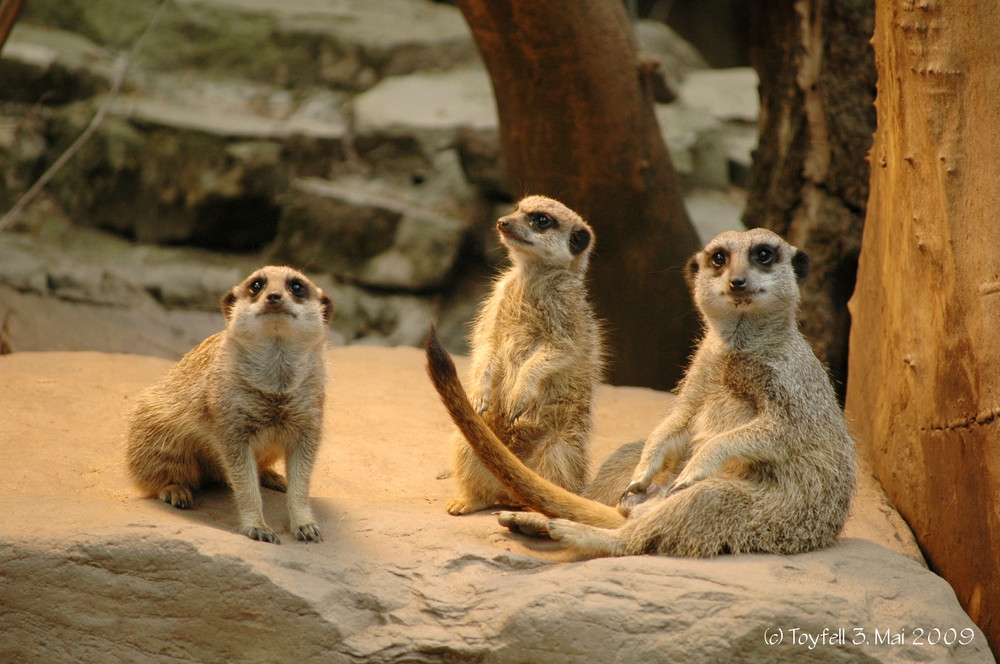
(536, 355)
(238, 401)
(759, 451)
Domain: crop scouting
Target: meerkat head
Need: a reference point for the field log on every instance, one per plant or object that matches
(277, 301)
(544, 230)
(747, 273)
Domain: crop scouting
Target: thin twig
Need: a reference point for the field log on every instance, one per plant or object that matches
(122, 64)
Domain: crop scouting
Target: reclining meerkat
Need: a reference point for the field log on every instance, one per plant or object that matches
(238, 401)
(536, 356)
(760, 452)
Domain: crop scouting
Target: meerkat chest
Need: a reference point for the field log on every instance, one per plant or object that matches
(722, 410)
(255, 409)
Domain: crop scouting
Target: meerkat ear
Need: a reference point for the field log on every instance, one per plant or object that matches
(579, 240)
(228, 300)
(800, 265)
(328, 308)
(691, 271)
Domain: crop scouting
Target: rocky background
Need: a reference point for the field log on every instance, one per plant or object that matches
(357, 140)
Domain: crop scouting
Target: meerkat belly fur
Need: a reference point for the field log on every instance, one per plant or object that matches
(238, 402)
(536, 356)
(759, 452)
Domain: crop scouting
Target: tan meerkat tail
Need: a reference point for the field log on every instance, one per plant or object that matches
(531, 488)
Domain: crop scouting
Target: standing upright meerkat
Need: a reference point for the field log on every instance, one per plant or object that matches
(759, 451)
(238, 401)
(536, 355)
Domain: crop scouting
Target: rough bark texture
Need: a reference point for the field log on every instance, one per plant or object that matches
(577, 124)
(924, 388)
(810, 174)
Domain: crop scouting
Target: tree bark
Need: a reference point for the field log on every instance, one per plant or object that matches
(810, 175)
(924, 385)
(577, 124)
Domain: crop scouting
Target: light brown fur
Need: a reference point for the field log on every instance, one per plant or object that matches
(238, 402)
(536, 356)
(759, 450)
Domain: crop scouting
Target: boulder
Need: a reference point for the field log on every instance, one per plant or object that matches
(675, 57)
(350, 44)
(726, 94)
(93, 572)
(369, 234)
(195, 161)
(431, 107)
(50, 66)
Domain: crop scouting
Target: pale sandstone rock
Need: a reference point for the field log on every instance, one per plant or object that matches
(91, 572)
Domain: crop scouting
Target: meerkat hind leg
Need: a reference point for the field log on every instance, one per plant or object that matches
(587, 539)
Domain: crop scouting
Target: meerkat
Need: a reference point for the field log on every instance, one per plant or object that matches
(759, 452)
(239, 401)
(536, 356)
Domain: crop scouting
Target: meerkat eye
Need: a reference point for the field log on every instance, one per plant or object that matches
(541, 221)
(719, 258)
(763, 255)
(297, 288)
(256, 286)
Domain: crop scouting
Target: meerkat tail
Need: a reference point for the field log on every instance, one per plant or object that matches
(532, 489)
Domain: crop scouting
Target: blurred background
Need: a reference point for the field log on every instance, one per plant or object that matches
(357, 140)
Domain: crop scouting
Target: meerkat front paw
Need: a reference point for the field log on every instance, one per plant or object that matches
(639, 484)
(690, 475)
(270, 479)
(629, 500)
(177, 495)
(480, 400)
(532, 524)
(521, 401)
(262, 534)
(308, 533)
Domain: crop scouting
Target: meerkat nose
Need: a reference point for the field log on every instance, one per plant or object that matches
(274, 297)
(738, 283)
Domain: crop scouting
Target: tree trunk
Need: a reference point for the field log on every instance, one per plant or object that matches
(810, 175)
(577, 124)
(924, 385)
(9, 11)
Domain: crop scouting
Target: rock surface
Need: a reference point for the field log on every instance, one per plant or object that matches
(91, 572)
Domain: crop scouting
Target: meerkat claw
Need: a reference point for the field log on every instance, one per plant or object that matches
(308, 533)
(263, 534)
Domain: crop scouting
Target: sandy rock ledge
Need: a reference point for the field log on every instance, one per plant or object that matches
(90, 572)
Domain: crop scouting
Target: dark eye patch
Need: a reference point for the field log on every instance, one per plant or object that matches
(297, 288)
(765, 255)
(719, 257)
(542, 221)
(257, 285)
